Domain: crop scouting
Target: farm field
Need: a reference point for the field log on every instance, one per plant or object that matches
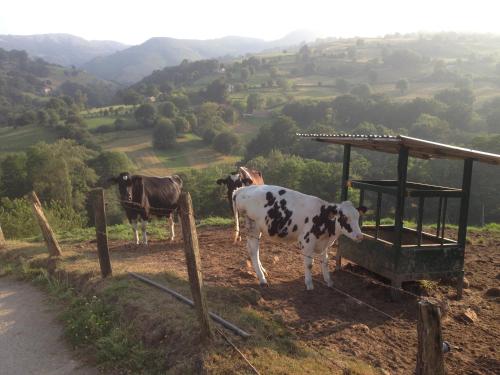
(320, 320)
(13, 140)
(190, 152)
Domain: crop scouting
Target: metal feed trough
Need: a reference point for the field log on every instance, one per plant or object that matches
(394, 251)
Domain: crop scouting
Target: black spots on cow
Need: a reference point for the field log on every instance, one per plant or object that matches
(270, 199)
(306, 220)
(307, 240)
(343, 222)
(310, 266)
(306, 236)
(282, 191)
(294, 228)
(324, 222)
(279, 216)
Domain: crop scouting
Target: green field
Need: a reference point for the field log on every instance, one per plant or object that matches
(19, 139)
(190, 152)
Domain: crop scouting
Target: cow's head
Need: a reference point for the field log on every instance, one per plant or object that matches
(348, 218)
(234, 181)
(124, 181)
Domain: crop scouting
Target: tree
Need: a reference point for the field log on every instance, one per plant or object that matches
(342, 85)
(254, 101)
(164, 135)
(431, 128)
(181, 125)
(13, 176)
(168, 109)
(402, 85)
(216, 91)
(146, 115)
(245, 73)
(362, 91)
(110, 163)
(226, 142)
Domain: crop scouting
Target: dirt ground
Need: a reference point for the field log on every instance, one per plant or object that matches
(326, 319)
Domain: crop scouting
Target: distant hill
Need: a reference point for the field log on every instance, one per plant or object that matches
(62, 49)
(132, 64)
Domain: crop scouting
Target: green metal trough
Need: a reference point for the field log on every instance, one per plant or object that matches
(394, 251)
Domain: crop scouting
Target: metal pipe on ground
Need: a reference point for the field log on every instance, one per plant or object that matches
(189, 302)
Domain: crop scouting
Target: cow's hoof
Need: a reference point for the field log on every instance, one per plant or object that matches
(309, 287)
(264, 285)
(329, 283)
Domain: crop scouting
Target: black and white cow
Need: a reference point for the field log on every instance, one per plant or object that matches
(288, 215)
(143, 197)
(242, 177)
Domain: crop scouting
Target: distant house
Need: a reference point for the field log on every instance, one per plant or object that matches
(46, 90)
(230, 88)
(152, 99)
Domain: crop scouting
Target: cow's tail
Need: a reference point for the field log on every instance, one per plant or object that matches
(236, 218)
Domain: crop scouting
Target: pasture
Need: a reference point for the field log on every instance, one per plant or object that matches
(16, 139)
(293, 331)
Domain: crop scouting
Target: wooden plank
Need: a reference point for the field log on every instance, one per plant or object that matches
(101, 231)
(2, 238)
(47, 232)
(193, 263)
(430, 359)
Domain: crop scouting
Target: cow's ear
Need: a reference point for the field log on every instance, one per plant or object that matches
(362, 210)
(247, 181)
(221, 181)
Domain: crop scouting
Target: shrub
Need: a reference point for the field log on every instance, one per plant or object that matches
(164, 135)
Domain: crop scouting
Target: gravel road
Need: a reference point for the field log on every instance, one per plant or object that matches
(31, 338)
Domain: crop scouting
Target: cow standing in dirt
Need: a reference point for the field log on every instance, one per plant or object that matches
(143, 197)
(288, 215)
(242, 177)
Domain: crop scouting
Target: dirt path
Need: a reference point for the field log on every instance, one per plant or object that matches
(31, 340)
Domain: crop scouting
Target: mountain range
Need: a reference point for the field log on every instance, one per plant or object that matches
(128, 64)
(62, 49)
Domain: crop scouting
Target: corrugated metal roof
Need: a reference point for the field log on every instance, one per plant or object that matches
(418, 148)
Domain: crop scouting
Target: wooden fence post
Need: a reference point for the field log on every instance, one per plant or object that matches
(48, 234)
(193, 262)
(2, 238)
(430, 359)
(101, 231)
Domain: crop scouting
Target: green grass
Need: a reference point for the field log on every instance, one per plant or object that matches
(94, 122)
(12, 140)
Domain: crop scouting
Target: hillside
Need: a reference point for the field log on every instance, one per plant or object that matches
(62, 49)
(26, 84)
(134, 63)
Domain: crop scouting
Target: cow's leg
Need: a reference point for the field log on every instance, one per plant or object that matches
(253, 250)
(324, 268)
(308, 264)
(134, 228)
(308, 253)
(144, 224)
(171, 222)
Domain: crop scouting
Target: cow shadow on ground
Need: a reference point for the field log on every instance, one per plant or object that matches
(327, 310)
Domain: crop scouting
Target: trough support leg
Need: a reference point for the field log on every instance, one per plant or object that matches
(338, 261)
(460, 285)
(395, 293)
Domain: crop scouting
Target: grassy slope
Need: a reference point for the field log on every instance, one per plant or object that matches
(190, 152)
(20, 139)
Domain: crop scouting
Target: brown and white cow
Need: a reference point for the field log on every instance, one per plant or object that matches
(143, 197)
(287, 215)
(242, 177)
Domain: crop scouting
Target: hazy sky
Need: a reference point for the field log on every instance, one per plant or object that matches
(133, 22)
